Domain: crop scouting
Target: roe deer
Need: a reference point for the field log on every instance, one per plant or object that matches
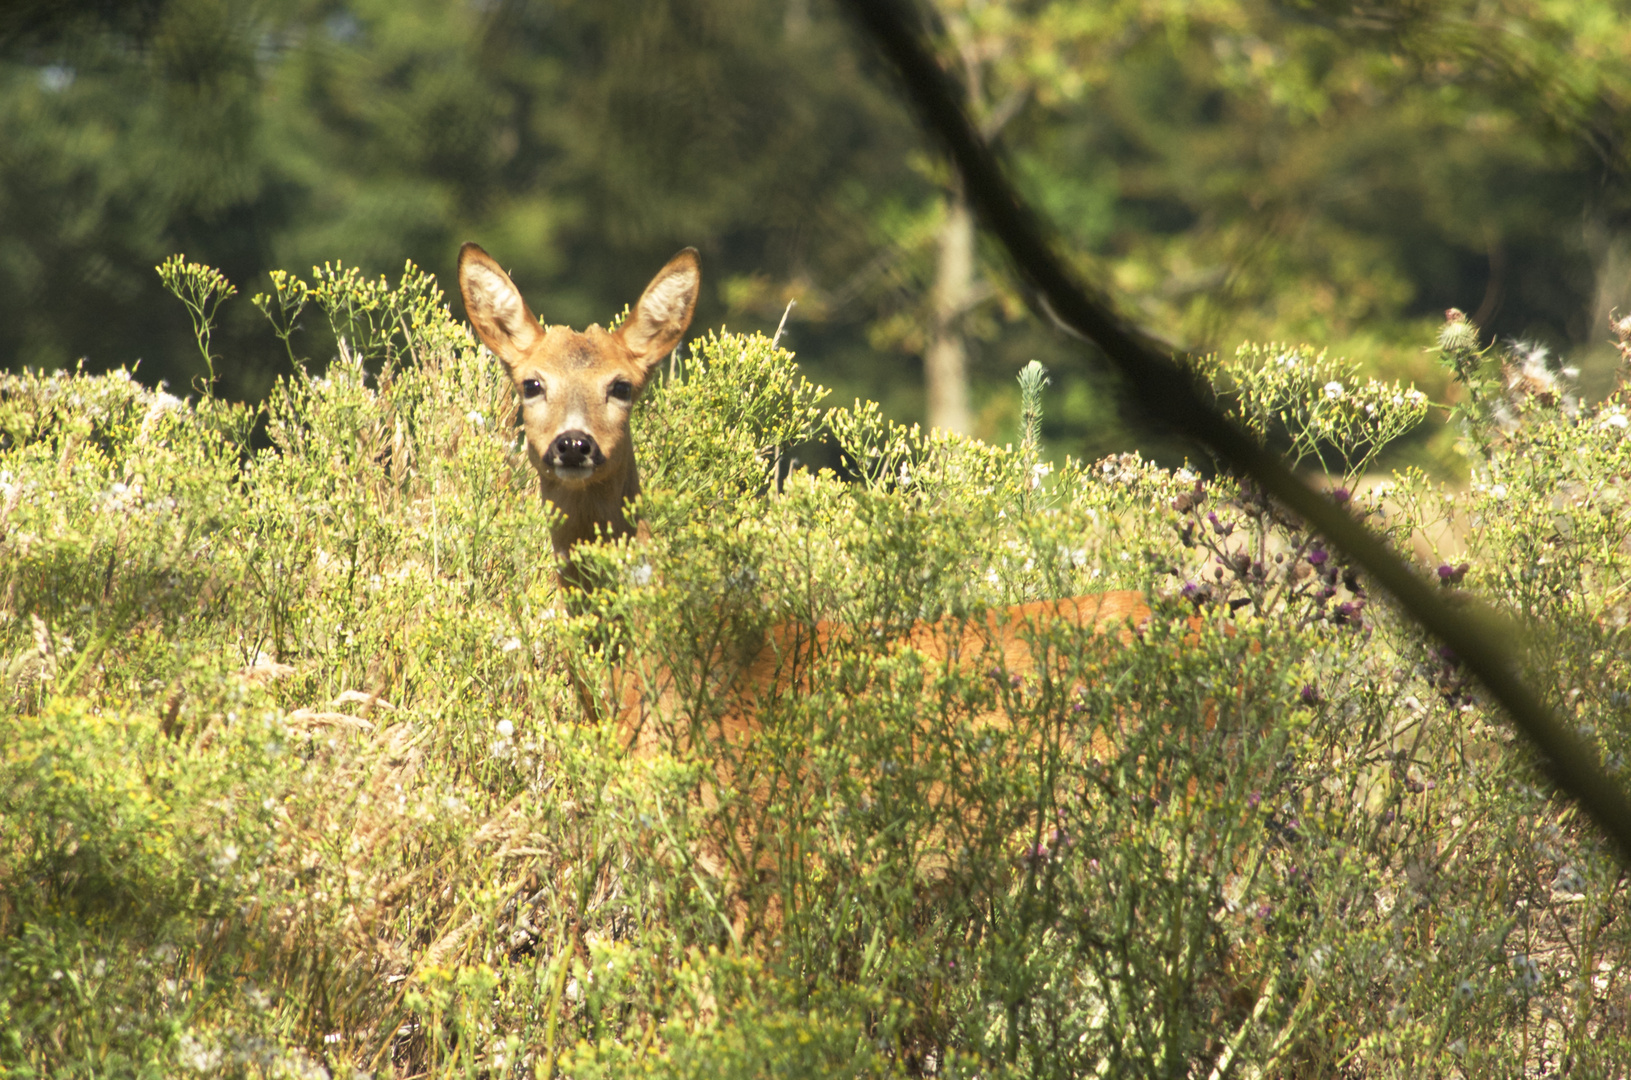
(577, 389)
(576, 392)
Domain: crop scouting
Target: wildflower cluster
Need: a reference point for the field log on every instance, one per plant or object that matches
(1317, 407)
(1258, 556)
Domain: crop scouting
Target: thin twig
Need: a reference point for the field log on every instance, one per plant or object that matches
(783, 324)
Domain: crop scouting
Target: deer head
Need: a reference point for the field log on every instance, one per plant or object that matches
(577, 390)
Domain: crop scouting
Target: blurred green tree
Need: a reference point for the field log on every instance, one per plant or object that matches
(582, 142)
(1332, 172)
(1318, 170)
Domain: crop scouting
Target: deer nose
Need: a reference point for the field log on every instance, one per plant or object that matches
(574, 450)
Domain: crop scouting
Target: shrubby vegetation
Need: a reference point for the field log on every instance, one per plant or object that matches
(301, 775)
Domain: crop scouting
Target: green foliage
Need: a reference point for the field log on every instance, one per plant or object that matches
(1322, 409)
(306, 765)
(1233, 169)
(574, 139)
(1033, 377)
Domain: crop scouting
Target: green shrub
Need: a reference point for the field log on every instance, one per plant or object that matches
(297, 775)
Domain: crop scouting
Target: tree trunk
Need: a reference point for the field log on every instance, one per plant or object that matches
(945, 365)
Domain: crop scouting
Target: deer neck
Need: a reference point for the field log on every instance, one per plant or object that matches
(590, 512)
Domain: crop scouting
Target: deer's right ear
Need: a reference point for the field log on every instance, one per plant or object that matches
(502, 319)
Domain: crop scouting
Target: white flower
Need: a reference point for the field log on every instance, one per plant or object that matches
(475, 418)
(161, 403)
(199, 1056)
(1615, 420)
(1333, 390)
(506, 729)
(1498, 490)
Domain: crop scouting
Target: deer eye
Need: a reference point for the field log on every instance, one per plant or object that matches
(531, 388)
(622, 390)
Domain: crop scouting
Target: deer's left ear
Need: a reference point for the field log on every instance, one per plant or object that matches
(663, 311)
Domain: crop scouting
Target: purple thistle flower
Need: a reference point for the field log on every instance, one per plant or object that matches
(1347, 614)
(1451, 575)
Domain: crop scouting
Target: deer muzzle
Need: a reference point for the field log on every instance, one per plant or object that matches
(574, 455)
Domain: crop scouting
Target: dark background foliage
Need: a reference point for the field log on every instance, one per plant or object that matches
(1244, 168)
